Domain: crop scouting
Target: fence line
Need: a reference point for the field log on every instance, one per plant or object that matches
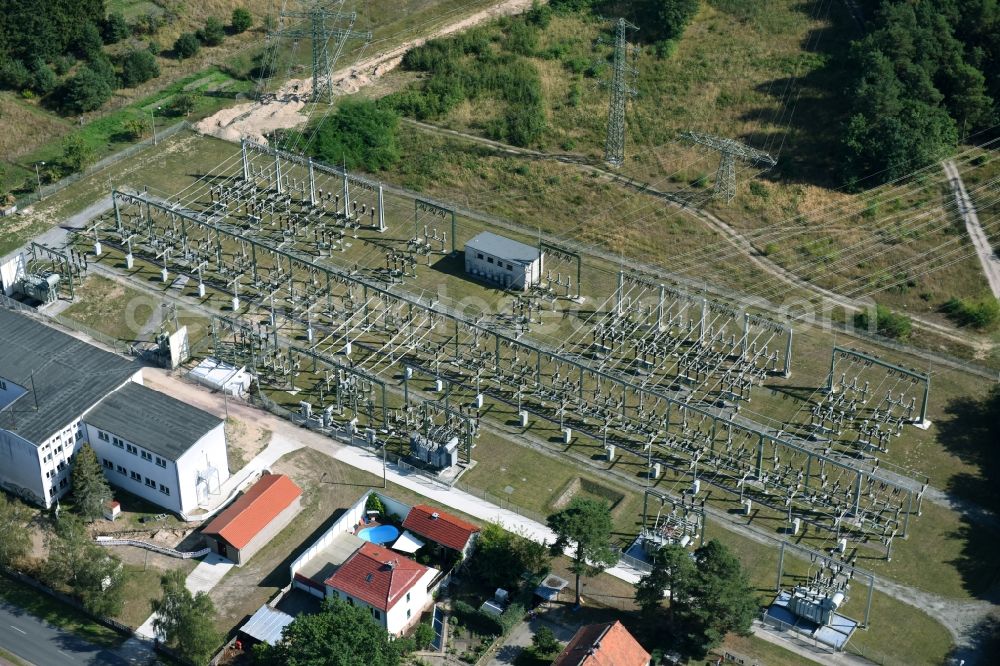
(170, 552)
(128, 151)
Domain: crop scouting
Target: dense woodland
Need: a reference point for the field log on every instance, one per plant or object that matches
(926, 75)
(55, 49)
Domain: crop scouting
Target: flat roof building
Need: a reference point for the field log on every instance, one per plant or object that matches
(58, 393)
(505, 262)
(48, 380)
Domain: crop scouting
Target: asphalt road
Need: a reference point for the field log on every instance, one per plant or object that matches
(40, 643)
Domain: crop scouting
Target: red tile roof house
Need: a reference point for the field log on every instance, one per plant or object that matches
(256, 517)
(393, 587)
(603, 645)
(442, 528)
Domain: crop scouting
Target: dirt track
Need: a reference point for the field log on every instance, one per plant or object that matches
(255, 119)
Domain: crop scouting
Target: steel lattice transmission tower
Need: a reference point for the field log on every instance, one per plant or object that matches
(725, 178)
(322, 25)
(614, 145)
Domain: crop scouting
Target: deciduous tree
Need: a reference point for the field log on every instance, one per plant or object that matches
(340, 635)
(88, 570)
(15, 538)
(586, 525)
(185, 621)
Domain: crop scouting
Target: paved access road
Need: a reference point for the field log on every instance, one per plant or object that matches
(38, 642)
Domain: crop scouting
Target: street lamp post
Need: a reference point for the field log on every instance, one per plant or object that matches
(152, 121)
(38, 179)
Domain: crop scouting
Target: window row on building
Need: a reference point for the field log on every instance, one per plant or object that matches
(131, 448)
(136, 476)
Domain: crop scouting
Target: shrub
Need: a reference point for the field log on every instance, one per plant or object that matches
(241, 20)
(213, 33)
(423, 636)
(138, 67)
(182, 105)
(887, 323)
(981, 314)
(759, 189)
(186, 46)
(361, 134)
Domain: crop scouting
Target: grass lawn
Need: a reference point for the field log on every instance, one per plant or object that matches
(57, 614)
(142, 587)
(112, 308)
(169, 167)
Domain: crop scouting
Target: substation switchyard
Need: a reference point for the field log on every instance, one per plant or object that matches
(347, 300)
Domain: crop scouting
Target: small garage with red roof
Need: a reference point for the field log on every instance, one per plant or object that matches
(441, 528)
(256, 517)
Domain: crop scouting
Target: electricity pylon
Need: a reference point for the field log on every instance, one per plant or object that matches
(322, 26)
(614, 145)
(725, 178)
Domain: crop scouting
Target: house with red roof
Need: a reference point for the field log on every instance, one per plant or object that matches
(395, 588)
(256, 517)
(608, 644)
(442, 528)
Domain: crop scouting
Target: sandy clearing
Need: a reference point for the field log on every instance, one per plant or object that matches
(284, 111)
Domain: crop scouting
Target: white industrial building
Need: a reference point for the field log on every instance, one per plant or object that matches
(58, 392)
(502, 261)
(159, 448)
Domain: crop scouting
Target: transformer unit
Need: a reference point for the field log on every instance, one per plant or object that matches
(42, 288)
(815, 605)
(437, 454)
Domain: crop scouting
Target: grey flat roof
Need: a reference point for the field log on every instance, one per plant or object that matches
(266, 625)
(151, 419)
(69, 375)
(325, 562)
(504, 248)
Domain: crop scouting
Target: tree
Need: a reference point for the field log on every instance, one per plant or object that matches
(720, 600)
(185, 621)
(586, 523)
(90, 489)
(544, 642)
(213, 33)
(76, 156)
(43, 79)
(502, 557)
(115, 28)
(186, 46)
(242, 20)
(15, 539)
(135, 128)
(138, 66)
(85, 91)
(360, 134)
(673, 17)
(88, 41)
(340, 635)
(673, 575)
(89, 571)
(182, 104)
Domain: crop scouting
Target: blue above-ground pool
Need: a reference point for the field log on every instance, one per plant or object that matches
(381, 535)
